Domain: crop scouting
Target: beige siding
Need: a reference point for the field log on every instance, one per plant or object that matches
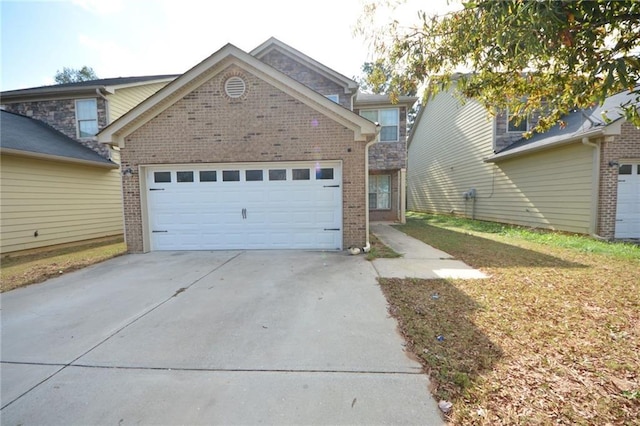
(551, 189)
(63, 202)
(126, 98)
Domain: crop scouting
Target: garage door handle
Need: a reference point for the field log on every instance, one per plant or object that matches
(158, 231)
(332, 186)
(244, 213)
(331, 229)
(156, 189)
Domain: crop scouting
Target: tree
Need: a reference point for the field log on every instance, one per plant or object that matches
(70, 75)
(545, 57)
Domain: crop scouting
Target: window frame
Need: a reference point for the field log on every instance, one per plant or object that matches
(508, 118)
(78, 119)
(377, 111)
(333, 97)
(377, 193)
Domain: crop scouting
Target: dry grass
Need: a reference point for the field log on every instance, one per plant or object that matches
(552, 337)
(380, 250)
(33, 268)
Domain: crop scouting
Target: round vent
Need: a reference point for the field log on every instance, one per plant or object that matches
(234, 87)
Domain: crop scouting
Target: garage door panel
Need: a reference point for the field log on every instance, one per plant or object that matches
(245, 215)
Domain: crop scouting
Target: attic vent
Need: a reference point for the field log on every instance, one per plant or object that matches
(234, 87)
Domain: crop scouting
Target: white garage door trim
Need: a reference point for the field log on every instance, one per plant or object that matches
(628, 200)
(231, 206)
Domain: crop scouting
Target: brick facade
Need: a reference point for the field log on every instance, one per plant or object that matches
(61, 115)
(264, 125)
(306, 76)
(616, 150)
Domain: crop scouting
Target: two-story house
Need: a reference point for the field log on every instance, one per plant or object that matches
(59, 185)
(583, 177)
(260, 149)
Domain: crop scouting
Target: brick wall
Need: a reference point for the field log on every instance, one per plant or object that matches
(264, 125)
(61, 115)
(306, 76)
(625, 146)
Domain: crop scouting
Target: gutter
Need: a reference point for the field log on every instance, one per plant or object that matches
(42, 156)
(367, 246)
(528, 149)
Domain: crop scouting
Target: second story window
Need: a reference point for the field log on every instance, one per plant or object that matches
(389, 120)
(515, 126)
(334, 98)
(87, 117)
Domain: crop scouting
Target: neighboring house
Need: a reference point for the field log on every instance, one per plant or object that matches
(581, 178)
(81, 110)
(53, 190)
(259, 150)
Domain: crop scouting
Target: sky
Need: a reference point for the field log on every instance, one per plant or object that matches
(124, 38)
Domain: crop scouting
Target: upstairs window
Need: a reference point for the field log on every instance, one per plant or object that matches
(389, 120)
(515, 126)
(87, 117)
(334, 98)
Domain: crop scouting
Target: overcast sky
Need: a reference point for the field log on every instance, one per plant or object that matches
(122, 38)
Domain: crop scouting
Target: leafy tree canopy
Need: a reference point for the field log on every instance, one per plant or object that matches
(545, 57)
(70, 75)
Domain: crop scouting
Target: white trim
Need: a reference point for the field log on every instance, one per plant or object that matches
(77, 120)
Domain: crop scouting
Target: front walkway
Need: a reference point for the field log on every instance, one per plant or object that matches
(419, 260)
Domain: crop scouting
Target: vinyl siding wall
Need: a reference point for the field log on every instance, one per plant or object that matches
(551, 189)
(63, 202)
(127, 98)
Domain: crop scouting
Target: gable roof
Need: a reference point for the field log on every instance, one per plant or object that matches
(25, 136)
(104, 85)
(364, 130)
(600, 120)
(275, 44)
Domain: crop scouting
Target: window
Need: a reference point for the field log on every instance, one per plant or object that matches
(334, 98)
(300, 174)
(208, 176)
(513, 125)
(278, 174)
(231, 175)
(184, 177)
(625, 169)
(162, 177)
(87, 117)
(389, 120)
(379, 192)
(253, 175)
(322, 174)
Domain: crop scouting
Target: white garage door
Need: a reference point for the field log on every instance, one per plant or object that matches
(245, 206)
(628, 207)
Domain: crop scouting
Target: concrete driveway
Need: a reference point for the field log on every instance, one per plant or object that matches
(270, 337)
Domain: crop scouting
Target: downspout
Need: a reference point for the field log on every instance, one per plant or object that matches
(367, 246)
(595, 200)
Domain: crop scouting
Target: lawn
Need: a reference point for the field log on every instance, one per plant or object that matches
(551, 337)
(18, 271)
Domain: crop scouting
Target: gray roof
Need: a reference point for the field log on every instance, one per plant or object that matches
(579, 123)
(33, 137)
(90, 85)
